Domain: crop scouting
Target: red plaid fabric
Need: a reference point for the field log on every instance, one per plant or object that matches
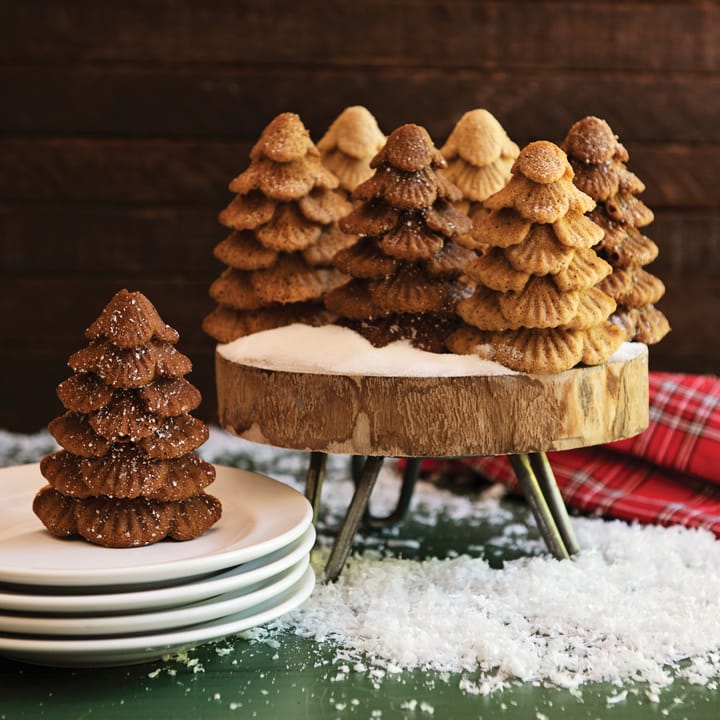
(670, 474)
(684, 430)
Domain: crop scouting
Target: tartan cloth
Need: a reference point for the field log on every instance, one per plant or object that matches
(669, 474)
(684, 430)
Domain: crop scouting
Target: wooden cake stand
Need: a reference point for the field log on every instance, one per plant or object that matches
(375, 417)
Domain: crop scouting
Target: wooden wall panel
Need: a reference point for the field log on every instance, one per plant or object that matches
(446, 33)
(101, 239)
(189, 102)
(122, 123)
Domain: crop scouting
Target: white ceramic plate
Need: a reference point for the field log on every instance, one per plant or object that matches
(178, 617)
(260, 515)
(225, 581)
(108, 652)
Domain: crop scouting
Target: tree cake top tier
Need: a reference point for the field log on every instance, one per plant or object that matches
(127, 474)
(349, 145)
(480, 155)
(405, 268)
(536, 307)
(284, 221)
(598, 159)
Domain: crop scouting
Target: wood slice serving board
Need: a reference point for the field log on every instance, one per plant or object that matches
(403, 416)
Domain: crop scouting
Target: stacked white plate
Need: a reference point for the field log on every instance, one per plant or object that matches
(69, 603)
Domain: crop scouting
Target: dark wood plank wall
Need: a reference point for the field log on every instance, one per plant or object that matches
(121, 124)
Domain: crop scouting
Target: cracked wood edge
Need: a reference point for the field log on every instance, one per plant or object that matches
(434, 416)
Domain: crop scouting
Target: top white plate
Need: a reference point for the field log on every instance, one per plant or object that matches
(259, 516)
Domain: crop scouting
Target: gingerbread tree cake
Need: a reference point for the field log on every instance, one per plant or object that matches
(126, 475)
(348, 146)
(480, 155)
(599, 163)
(405, 269)
(536, 308)
(284, 234)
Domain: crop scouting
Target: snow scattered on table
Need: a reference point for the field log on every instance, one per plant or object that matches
(637, 604)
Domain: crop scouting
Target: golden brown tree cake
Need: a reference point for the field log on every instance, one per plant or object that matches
(283, 220)
(350, 143)
(480, 156)
(406, 267)
(598, 159)
(127, 474)
(536, 307)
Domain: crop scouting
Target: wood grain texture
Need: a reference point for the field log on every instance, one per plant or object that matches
(431, 416)
(458, 33)
(109, 239)
(189, 101)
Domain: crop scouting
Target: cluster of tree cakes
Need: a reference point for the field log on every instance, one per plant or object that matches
(480, 248)
(284, 235)
(126, 475)
(405, 269)
(536, 307)
(598, 159)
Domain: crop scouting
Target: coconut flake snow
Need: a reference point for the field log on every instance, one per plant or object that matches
(637, 604)
(335, 350)
(331, 349)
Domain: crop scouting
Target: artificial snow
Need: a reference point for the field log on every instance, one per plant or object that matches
(331, 349)
(639, 603)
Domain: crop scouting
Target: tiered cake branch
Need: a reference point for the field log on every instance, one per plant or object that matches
(127, 475)
(599, 163)
(536, 308)
(479, 155)
(284, 223)
(406, 267)
(348, 146)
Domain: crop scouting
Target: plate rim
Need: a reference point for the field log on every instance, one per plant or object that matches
(172, 569)
(174, 618)
(69, 653)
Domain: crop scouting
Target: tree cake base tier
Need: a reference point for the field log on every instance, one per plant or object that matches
(435, 416)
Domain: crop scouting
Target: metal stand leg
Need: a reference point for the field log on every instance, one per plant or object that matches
(539, 506)
(407, 488)
(533, 472)
(409, 478)
(357, 463)
(549, 488)
(354, 515)
(315, 477)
